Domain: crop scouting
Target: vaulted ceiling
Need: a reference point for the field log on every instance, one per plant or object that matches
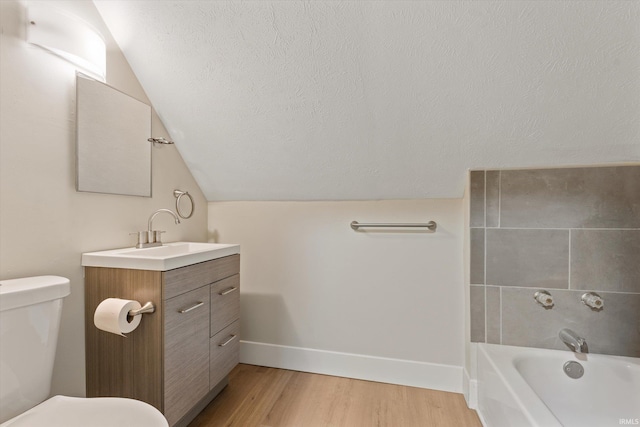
(349, 100)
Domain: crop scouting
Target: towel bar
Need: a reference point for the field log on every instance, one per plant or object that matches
(431, 225)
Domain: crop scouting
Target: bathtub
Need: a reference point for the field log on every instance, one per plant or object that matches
(527, 387)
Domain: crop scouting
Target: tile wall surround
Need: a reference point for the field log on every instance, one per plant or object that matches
(567, 231)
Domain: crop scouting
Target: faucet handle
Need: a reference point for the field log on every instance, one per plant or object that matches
(543, 298)
(157, 235)
(593, 300)
(143, 237)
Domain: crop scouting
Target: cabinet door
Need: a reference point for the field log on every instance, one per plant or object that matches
(186, 368)
(225, 352)
(225, 303)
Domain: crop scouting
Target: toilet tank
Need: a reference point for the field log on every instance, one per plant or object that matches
(30, 311)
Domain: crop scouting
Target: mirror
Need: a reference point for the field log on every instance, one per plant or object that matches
(112, 152)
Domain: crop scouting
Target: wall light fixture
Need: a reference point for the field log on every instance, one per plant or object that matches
(68, 37)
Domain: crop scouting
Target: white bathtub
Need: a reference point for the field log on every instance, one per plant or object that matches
(522, 387)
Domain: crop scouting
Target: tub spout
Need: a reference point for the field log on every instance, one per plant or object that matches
(573, 341)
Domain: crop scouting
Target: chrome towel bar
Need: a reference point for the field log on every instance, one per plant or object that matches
(431, 225)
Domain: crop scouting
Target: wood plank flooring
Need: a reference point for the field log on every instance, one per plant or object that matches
(267, 397)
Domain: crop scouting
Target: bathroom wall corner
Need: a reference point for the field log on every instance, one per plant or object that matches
(468, 346)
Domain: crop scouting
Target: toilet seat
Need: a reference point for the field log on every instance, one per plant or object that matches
(63, 411)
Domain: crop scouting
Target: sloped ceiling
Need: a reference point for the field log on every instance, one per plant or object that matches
(315, 100)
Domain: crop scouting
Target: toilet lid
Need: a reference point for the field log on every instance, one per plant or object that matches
(63, 411)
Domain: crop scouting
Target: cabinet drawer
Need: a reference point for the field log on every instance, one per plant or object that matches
(186, 352)
(187, 278)
(225, 353)
(225, 303)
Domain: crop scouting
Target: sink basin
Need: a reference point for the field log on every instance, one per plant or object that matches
(159, 258)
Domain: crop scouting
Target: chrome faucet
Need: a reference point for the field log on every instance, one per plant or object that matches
(151, 237)
(153, 215)
(573, 340)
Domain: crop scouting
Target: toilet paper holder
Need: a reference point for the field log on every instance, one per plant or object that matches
(147, 308)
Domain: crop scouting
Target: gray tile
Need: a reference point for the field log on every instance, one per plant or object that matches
(598, 197)
(477, 256)
(476, 303)
(492, 199)
(476, 199)
(613, 330)
(493, 314)
(607, 260)
(526, 323)
(616, 328)
(534, 258)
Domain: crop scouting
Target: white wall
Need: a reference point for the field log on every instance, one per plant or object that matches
(312, 284)
(45, 225)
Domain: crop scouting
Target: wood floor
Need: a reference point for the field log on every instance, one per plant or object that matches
(267, 397)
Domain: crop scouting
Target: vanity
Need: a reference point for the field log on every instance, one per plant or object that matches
(179, 357)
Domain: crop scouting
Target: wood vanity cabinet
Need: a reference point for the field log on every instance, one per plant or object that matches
(179, 357)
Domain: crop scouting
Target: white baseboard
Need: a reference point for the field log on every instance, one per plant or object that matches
(393, 371)
(470, 391)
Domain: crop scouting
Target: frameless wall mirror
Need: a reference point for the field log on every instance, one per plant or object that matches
(112, 128)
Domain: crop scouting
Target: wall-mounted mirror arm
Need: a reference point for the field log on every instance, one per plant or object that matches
(160, 141)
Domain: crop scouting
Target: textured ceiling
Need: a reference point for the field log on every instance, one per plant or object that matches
(319, 100)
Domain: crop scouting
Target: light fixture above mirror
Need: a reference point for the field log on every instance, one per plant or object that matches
(69, 37)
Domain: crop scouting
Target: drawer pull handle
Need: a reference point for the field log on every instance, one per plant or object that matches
(231, 338)
(193, 307)
(228, 291)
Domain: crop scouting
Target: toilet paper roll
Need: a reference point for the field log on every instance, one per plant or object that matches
(111, 316)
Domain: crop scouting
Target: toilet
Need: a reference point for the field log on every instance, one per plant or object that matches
(30, 310)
